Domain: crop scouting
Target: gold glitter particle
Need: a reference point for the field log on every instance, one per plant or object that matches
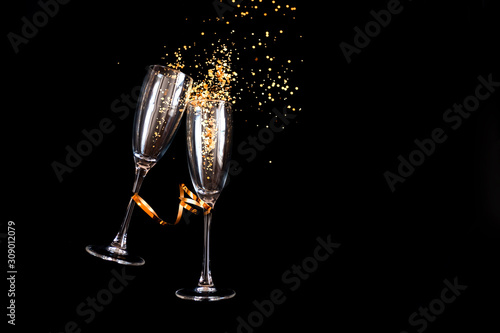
(216, 84)
(242, 67)
(209, 131)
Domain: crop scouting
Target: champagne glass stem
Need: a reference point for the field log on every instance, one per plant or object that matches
(120, 241)
(206, 274)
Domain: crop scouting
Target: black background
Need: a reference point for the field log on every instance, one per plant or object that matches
(326, 176)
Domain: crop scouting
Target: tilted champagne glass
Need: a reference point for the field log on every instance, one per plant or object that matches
(163, 98)
(209, 139)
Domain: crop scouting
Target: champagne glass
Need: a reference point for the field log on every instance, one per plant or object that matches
(209, 138)
(163, 98)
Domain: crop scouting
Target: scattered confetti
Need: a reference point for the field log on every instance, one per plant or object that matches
(251, 65)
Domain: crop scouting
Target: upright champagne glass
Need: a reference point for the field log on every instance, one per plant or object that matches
(163, 98)
(209, 139)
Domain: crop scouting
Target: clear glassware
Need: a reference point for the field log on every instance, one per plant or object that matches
(209, 139)
(162, 101)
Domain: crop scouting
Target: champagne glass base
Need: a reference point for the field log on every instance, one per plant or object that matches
(114, 254)
(205, 294)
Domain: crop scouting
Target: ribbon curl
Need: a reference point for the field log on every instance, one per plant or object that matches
(183, 204)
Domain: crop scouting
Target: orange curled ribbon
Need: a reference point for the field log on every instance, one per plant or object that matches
(184, 204)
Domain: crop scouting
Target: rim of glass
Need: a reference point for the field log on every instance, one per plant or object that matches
(208, 100)
(170, 69)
